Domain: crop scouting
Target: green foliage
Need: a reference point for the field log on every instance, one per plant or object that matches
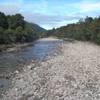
(9, 36)
(34, 30)
(86, 30)
(88, 19)
(13, 28)
(16, 21)
(3, 20)
(1, 35)
(19, 34)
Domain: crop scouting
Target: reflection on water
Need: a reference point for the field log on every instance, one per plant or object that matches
(9, 62)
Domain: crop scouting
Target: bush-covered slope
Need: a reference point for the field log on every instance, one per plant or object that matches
(13, 28)
(87, 29)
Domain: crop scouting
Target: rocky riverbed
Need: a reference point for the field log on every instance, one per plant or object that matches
(73, 73)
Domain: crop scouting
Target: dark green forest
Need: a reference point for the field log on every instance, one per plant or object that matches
(87, 29)
(14, 29)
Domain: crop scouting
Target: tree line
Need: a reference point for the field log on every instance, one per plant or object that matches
(87, 29)
(13, 29)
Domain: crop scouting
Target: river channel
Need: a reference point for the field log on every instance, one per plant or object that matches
(9, 62)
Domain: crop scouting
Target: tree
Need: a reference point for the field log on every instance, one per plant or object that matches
(9, 36)
(15, 21)
(1, 35)
(20, 34)
(88, 19)
(3, 21)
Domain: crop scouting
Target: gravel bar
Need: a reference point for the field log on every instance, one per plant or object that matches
(73, 74)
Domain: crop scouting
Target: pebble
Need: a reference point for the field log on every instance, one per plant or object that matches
(16, 72)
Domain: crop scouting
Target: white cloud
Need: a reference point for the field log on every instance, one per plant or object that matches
(50, 21)
(11, 6)
(40, 12)
(9, 9)
(86, 7)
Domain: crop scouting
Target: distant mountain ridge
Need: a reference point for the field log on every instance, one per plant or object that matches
(36, 28)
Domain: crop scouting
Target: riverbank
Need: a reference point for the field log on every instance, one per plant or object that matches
(19, 46)
(14, 47)
(74, 73)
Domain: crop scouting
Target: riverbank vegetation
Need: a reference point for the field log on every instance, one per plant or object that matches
(14, 29)
(87, 29)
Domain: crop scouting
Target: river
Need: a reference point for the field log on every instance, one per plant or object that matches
(9, 62)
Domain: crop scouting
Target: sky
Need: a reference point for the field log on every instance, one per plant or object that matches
(51, 13)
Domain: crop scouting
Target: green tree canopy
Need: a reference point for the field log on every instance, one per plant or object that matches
(3, 20)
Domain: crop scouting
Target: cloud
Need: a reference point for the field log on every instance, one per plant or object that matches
(49, 20)
(39, 6)
(18, 6)
(88, 6)
(85, 8)
(10, 6)
(48, 14)
(9, 9)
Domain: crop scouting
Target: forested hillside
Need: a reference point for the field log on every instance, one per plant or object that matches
(86, 29)
(13, 29)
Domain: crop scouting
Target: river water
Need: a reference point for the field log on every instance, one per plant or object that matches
(9, 62)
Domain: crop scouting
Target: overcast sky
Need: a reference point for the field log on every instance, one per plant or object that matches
(51, 13)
